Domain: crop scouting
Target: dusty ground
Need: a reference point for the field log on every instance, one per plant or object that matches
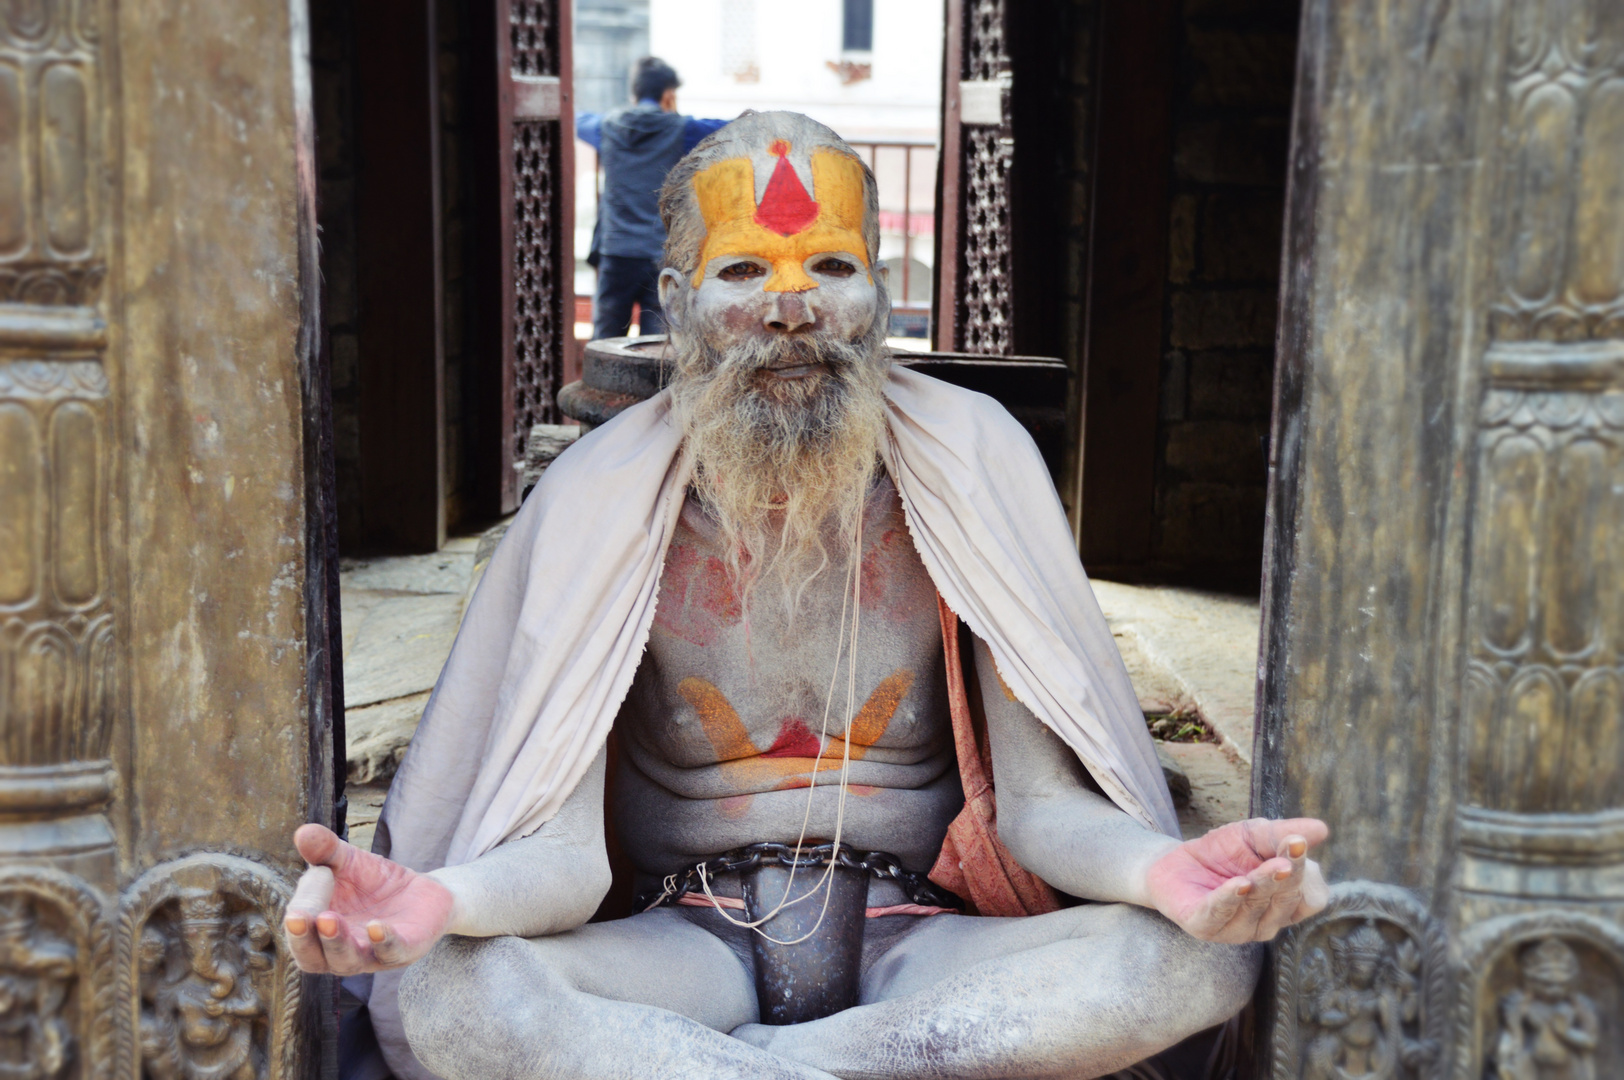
(1189, 653)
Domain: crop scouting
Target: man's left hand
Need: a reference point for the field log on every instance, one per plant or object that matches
(1242, 882)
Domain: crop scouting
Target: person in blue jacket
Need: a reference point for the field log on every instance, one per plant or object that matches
(637, 145)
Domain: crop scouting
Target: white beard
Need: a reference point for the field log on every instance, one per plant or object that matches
(783, 465)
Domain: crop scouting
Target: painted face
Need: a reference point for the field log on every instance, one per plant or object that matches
(777, 258)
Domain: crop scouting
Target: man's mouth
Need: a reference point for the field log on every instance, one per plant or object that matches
(796, 369)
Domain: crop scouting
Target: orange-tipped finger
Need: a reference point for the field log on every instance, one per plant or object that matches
(376, 931)
(297, 924)
(1296, 847)
(327, 924)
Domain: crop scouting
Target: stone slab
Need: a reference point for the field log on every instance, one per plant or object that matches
(1191, 649)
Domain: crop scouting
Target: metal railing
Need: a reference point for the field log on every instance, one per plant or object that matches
(912, 159)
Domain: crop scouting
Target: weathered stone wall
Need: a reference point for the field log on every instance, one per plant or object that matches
(1231, 111)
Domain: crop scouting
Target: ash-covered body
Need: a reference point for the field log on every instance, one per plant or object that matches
(725, 727)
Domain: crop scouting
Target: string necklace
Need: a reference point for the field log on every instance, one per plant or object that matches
(852, 595)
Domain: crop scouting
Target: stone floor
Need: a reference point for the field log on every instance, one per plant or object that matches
(1190, 654)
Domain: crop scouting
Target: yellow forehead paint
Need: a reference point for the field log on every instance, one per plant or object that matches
(787, 227)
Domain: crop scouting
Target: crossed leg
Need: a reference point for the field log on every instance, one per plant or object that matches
(652, 995)
(1077, 993)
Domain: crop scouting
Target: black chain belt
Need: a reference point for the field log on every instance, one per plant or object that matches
(918, 888)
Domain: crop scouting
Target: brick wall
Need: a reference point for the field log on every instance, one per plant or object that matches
(1231, 114)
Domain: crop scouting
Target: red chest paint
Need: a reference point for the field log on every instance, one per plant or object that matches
(888, 587)
(697, 601)
(795, 739)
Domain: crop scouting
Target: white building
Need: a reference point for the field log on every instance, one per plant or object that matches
(808, 56)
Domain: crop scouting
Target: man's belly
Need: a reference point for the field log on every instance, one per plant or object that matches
(900, 809)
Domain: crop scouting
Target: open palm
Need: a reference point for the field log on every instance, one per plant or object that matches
(1242, 882)
(354, 911)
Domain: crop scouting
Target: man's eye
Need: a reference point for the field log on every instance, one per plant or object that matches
(835, 268)
(740, 271)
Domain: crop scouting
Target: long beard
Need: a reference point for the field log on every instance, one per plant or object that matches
(783, 465)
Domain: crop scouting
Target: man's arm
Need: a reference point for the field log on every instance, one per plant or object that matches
(548, 882)
(696, 129)
(1240, 882)
(589, 129)
(354, 911)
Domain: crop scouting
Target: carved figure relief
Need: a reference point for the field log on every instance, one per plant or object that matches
(203, 969)
(55, 981)
(1364, 1001)
(1361, 989)
(1543, 1000)
(1549, 1030)
(212, 997)
(37, 970)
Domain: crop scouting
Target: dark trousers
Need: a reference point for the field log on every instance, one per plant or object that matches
(624, 280)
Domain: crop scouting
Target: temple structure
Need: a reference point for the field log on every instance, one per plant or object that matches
(1340, 287)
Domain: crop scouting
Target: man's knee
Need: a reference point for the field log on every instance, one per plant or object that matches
(450, 998)
(1203, 982)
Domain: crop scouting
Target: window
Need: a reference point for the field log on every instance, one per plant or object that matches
(857, 30)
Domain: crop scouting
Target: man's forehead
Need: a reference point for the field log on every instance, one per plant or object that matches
(783, 201)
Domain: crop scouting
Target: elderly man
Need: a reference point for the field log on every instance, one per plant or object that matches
(757, 580)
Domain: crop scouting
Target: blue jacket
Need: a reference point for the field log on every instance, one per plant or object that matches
(638, 145)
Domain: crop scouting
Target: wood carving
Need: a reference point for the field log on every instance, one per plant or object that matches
(986, 312)
(1361, 989)
(213, 996)
(1544, 694)
(1543, 999)
(50, 155)
(55, 978)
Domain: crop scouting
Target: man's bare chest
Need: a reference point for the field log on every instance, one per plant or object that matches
(758, 697)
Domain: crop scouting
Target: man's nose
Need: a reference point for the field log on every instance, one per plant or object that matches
(790, 312)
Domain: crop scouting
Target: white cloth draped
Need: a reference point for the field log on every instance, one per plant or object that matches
(555, 630)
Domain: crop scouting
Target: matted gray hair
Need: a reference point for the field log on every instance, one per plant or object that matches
(751, 132)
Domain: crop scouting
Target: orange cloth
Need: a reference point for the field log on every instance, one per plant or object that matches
(974, 863)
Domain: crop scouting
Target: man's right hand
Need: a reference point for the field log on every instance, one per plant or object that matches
(355, 912)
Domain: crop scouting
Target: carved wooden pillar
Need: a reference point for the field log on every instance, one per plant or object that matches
(525, 308)
(1444, 597)
(165, 717)
(974, 309)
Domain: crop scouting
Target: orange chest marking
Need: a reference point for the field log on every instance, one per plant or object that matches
(794, 753)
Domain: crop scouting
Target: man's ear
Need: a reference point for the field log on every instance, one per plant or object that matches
(671, 285)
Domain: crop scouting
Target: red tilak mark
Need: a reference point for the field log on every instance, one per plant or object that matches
(795, 739)
(785, 207)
